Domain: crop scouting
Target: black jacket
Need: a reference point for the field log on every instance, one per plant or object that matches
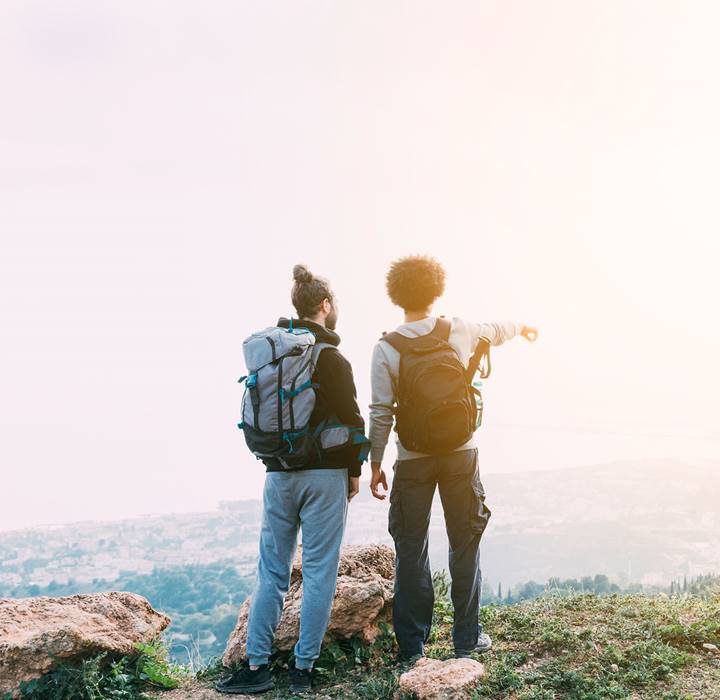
(336, 395)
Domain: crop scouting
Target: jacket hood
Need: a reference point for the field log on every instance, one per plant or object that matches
(324, 335)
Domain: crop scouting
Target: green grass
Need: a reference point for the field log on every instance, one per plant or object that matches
(597, 648)
(581, 647)
(106, 677)
(618, 647)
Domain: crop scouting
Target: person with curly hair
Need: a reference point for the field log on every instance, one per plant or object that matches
(414, 284)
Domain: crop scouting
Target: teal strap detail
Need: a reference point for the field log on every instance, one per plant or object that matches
(284, 395)
(295, 331)
(359, 438)
(241, 425)
(289, 436)
(251, 381)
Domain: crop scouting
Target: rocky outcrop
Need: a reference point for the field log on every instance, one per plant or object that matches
(431, 679)
(362, 601)
(37, 633)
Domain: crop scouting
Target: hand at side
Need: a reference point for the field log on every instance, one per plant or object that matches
(378, 479)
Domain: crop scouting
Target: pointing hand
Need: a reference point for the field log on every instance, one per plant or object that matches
(529, 333)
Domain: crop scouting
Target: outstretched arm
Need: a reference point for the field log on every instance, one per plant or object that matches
(500, 332)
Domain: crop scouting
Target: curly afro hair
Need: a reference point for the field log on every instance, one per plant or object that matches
(415, 282)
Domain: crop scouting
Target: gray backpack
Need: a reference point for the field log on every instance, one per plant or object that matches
(279, 399)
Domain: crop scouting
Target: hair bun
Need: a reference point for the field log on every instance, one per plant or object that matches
(302, 275)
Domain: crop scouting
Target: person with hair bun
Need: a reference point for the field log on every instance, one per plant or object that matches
(313, 299)
(422, 381)
(312, 497)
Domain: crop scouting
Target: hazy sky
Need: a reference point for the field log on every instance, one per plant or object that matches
(164, 164)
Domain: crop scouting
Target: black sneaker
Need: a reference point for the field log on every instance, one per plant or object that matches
(401, 658)
(300, 680)
(245, 681)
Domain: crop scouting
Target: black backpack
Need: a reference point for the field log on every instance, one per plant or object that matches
(438, 407)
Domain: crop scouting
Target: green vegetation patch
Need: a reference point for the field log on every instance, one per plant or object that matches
(585, 647)
(104, 677)
(202, 600)
(602, 648)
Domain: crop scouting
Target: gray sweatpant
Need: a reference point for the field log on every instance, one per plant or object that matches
(316, 501)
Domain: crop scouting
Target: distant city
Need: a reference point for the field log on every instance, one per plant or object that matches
(640, 522)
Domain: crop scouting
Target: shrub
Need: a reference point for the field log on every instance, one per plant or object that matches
(104, 677)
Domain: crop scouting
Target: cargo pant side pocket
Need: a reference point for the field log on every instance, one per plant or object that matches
(479, 512)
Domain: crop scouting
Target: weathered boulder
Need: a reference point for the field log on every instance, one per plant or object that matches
(363, 600)
(431, 679)
(37, 633)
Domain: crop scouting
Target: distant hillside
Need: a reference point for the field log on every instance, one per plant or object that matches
(646, 521)
(90, 551)
(637, 521)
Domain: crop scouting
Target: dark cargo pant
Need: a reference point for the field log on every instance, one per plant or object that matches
(466, 516)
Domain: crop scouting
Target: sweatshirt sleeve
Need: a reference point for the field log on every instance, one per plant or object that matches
(382, 408)
(334, 371)
(497, 332)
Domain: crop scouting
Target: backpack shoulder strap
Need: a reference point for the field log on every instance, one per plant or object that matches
(315, 352)
(442, 329)
(482, 350)
(398, 341)
(402, 342)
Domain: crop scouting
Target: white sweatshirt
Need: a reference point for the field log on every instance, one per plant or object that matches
(385, 370)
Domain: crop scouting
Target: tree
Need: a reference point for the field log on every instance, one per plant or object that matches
(601, 584)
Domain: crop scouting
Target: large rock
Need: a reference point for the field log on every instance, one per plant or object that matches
(37, 633)
(431, 679)
(363, 600)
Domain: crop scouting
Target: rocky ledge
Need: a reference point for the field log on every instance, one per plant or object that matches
(363, 600)
(38, 633)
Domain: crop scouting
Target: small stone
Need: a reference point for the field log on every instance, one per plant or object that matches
(614, 668)
(432, 679)
(712, 648)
